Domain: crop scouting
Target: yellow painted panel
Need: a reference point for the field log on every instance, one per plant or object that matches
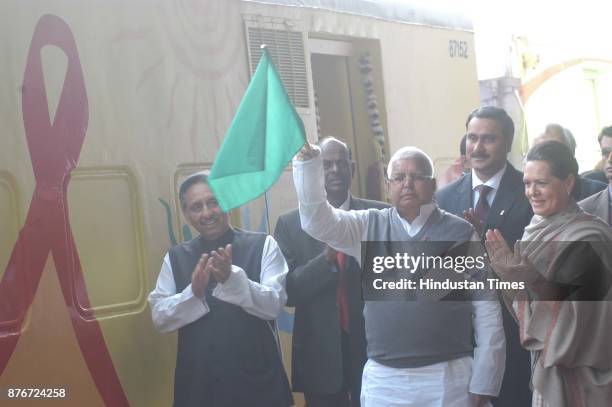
(48, 354)
(9, 218)
(105, 219)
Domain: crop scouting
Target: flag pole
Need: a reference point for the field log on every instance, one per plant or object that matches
(267, 209)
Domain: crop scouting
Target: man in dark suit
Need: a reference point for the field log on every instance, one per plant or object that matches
(600, 204)
(324, 286)
(492, 196)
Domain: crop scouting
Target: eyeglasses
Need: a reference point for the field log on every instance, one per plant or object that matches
(416, 178)
(605, 152)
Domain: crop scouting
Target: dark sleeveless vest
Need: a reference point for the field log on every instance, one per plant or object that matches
(227, 358)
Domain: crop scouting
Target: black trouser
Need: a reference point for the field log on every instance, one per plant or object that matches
(349, 394)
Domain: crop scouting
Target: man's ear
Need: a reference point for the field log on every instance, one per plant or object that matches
(387, 186)
(509, 142)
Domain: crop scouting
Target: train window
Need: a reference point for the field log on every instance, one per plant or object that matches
(9, 219)
(106, 221)
(13, 312)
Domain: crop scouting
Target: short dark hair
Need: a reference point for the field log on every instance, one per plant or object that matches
(560, 159)
(605, 132)
(327, 138)
(495, 113)
(462, 145)
(198, 177)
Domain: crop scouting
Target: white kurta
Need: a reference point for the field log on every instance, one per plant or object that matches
(171, 310)
(445, 384)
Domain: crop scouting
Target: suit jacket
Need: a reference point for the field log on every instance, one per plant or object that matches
(510, 213)
(589, 187)
(596, 175)
(317, 364)
(598, 205)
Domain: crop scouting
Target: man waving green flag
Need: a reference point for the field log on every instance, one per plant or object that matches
(265, 134)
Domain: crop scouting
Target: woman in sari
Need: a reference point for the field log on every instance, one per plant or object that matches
(565, 260)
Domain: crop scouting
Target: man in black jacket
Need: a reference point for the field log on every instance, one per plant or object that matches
(492, 196)
(222, 291)
(324, 286)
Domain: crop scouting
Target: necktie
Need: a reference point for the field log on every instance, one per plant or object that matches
(482, 206)
(342, 292)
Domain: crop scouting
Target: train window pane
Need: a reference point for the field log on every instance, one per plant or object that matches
(9, 219)
(105, 217)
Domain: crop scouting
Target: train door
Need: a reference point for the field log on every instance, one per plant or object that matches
(350, 104)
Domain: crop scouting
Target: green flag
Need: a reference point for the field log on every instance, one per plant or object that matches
(265, 134)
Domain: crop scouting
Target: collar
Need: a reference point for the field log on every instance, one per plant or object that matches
(493, 182)
(346, 204)
(223, 240)
(425, 212)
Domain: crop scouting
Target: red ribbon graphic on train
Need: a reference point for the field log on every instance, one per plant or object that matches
(54, 150)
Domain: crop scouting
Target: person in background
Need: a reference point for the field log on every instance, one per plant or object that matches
(586, 187)
(460, 167)
(569, 339)
(491, 197)
(222, 291)
(324, 286)
(419, 353)
(600, 204)
(598, 173)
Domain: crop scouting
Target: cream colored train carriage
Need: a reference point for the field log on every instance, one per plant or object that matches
(107, 105)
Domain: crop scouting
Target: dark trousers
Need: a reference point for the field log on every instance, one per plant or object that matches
(327, 400)
(348, 395)
(515, 390)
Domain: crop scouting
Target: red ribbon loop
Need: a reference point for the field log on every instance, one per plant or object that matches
(54, 151)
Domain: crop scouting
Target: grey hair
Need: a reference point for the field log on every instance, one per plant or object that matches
(410, 152)
(567, 135)
(198, 177)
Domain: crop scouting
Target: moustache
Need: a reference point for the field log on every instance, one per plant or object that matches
(480, 155)
(211, 220)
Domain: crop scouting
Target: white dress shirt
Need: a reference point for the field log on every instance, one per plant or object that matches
(344, 231)
(492, 182)
(171, 310)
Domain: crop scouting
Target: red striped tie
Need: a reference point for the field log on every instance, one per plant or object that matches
(482, 206)
(342, 292)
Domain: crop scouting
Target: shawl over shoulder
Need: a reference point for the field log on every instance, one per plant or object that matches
(570, 340)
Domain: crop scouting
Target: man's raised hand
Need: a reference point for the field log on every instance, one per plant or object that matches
(330, 254)
(307, 152)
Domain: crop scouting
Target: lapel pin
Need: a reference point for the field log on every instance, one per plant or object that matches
(502, 213)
